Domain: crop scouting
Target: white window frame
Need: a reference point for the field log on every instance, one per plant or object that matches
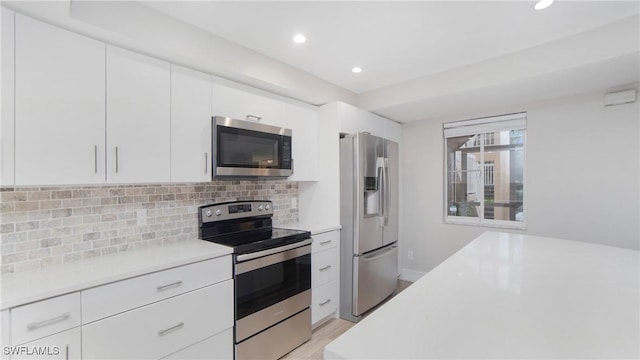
(481, 126)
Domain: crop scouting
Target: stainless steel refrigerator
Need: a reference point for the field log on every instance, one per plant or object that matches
(369, 218)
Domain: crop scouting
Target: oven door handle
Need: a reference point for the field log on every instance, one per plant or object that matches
(262, 253)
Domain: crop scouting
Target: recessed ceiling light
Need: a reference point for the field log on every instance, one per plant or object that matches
(543, 4)
(356, 70)
(299, 39)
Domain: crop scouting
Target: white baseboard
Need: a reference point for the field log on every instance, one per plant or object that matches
(411, 275)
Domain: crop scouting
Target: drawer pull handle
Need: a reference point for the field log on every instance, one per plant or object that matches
(173, 328)
(168, 286)
(325, 268)
(57, 319)
(325, 242)
(325, 302)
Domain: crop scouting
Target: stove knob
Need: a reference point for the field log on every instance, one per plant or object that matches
(218, 212)
(267, 207)
(209, 213)
(260, 208)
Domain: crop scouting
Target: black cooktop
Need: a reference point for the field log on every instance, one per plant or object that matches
(245, 226)
(252, 242)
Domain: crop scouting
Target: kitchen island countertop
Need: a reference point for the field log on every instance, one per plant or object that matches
(509, 296)
(34, 285)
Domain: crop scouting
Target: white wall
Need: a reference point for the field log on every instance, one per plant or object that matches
(582, 179)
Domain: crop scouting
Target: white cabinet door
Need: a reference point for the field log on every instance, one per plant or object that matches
(245, 105)
(138, 118)
(7, 106)
(219, 346)
(59, 105)
(64, 345)
(5, 330)
(162, 328)
(190, 125)
(304, 125)
(354, 120)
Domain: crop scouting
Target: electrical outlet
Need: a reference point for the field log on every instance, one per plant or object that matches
(410, 254)
(294, 203)
(141, 217)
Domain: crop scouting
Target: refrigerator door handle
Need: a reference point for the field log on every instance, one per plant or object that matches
(381, 195)
(387, 192)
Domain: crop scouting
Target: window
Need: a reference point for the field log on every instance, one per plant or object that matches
(484, 161)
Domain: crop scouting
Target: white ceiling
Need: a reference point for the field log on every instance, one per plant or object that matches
(394, 42)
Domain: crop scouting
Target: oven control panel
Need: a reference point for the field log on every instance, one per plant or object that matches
(235, 210)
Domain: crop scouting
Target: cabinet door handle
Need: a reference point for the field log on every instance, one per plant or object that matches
(66, 352)
(173, 328)
(325, 268)
(325, 302)
(116, 159)
(173, 284)
(323, 243)
(95, 158)
(255, 117)
(57, 319)
(206, 162)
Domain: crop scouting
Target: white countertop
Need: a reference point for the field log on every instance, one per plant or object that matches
(33, 285)
(312, 227)
(510, 296)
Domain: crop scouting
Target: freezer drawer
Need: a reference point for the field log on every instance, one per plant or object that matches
(375, 278)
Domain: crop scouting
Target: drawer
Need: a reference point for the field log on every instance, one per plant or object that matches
(162, 328)
(324, 267)
(325, 241)
(324, 301)
(43, 318)
(219, 346)
(111, 299)
(61, 346)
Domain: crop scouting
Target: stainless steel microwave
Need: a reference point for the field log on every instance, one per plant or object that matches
(246, 149)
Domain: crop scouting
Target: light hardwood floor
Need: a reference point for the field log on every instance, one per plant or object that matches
(327, 332)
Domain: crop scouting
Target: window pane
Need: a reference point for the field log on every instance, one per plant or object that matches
(463, 176)
(504, 161)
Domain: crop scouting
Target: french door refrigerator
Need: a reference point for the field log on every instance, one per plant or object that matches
(369, 218)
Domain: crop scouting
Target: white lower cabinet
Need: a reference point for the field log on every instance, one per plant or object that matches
(64, 346)
(219, 346)
(43, 318)
(325, 273)
(161, 328)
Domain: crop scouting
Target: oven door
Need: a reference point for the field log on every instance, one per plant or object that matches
(246, 149)
(271, 286)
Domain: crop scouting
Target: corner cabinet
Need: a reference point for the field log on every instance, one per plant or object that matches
(325, 276)
(138, 117)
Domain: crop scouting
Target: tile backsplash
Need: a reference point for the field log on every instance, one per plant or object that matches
(44, 226)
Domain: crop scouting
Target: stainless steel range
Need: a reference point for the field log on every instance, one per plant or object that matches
(272, 273)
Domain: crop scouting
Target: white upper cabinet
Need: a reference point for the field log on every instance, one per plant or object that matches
(303, 122)
(393, 131)
(190, 125)
(354, 120)
(245, 105)
(138, 118)
(7, 106)
(59, 106)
